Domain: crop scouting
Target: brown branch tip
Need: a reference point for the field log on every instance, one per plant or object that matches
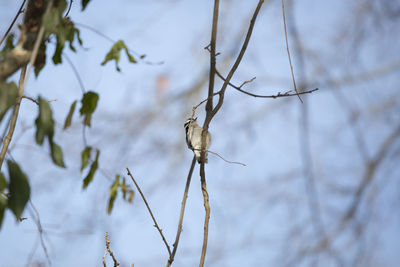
(107, 249)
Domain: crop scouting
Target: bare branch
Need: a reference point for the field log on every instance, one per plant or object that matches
(210, 111)
(288, 51)
(237, 62)
(185, 195)
(239, 88)
(151, 213)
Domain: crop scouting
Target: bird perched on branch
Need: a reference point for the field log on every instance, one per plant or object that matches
(193, 138)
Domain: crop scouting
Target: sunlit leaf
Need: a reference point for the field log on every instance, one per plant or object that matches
(93, 167)
(57, 155)
(115, 54)
(8, 96)
(68, 119)
(85, 155)
(19, 189)
(113, 194)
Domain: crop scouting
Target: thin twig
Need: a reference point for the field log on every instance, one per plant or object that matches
(36, 218)
(151, 213)
(228, 161)
(183, 205)
(288, 51)
(20, 11)
(107, 249)
(31, 99)
(69, 9)
(286, 94)
(78, 77)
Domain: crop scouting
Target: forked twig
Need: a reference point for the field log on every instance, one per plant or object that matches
(107, 249)
(151, 213)
(239, 88)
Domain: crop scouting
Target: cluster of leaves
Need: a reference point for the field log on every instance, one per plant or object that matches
(127, 192)
(61, 31)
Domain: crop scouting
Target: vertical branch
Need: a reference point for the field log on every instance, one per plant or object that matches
(212, 111)
(288, 51)
(209, 105)
(209, 109)
(207, 213)
(7, 139)
(238, 59)
(185, 195)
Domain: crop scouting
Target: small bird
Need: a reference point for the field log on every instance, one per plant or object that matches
(193, 138)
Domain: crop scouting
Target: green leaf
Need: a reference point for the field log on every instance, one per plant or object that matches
(8, 96)
(84, 4)
(124, 188)
(3, 182)
(130, 198)
(51, 20)
(3, 205)
(8, 46)
(68, 119)
(89, 104)
(115, 54)
(57, 155)
(85, 155)
(19, 189)
(44, 122)
(113, 194)
(93, 167)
